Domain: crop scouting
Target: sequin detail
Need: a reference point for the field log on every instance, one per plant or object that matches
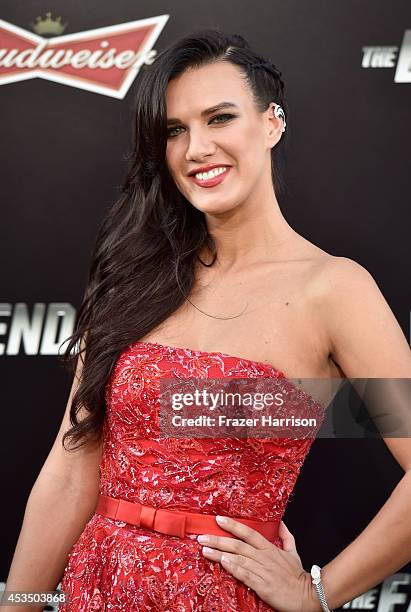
(120, 567)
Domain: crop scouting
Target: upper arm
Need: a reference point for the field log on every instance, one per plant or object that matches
(364, 336)
(79, 468)
(367, 342)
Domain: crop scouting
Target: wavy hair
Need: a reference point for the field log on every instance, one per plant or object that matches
(143, 260)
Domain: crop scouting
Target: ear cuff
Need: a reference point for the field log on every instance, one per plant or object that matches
(279, 112)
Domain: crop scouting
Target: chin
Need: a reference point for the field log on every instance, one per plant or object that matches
(215, 209)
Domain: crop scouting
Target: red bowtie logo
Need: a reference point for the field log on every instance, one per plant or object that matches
(104, 60)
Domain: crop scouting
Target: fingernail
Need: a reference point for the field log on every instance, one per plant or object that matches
(221, 519)
(203, 538)
(207, 550)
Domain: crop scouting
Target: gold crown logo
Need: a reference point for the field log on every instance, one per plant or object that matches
(48, 26)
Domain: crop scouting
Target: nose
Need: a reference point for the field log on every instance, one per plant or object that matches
(199, 146)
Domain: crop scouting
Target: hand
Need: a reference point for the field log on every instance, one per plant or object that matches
(277, 576)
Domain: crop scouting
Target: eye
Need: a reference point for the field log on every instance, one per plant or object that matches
(226, 117)
(171, 130)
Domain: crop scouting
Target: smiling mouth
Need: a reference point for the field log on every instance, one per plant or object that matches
(212, 178)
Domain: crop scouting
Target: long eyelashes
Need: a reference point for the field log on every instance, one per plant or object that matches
(226, 116)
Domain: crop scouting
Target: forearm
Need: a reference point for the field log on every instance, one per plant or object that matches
(55, 516)
(379, 551)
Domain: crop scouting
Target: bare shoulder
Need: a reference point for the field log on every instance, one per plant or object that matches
(333, 277)
(326, 273)
(364, 336)
(328, 277)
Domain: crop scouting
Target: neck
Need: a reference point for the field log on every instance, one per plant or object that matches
(251, 231)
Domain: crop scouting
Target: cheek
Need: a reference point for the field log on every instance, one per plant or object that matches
(175, 162)
(170, 161)
(254, 155)
(246, 146)
(174, 167)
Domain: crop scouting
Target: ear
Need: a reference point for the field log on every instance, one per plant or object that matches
(275, 126)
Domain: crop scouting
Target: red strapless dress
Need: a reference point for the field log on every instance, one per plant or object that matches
(118, 566)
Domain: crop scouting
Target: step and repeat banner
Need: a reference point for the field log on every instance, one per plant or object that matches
(67, 78)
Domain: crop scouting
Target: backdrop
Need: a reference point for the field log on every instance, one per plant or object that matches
(65, 133)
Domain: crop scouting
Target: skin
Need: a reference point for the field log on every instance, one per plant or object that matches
(275, 297)
(264, 268)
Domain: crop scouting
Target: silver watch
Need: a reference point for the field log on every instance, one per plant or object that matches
(316, 576)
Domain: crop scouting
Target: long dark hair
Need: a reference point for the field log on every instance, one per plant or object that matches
(147, 246)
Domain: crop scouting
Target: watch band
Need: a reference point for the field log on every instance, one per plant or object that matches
(316, 579)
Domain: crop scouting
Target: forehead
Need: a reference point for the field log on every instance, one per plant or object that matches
(203, 87)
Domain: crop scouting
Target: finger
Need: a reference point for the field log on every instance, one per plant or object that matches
(226, 558)
(248, 574)
(243, 532)
(231, 545)
(287, 538)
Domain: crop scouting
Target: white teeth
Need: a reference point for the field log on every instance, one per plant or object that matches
(203, 176)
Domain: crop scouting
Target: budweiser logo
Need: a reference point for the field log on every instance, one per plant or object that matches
(104, 61)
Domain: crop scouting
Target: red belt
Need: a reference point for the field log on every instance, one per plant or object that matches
(175, 522)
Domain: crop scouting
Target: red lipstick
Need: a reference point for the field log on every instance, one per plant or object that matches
(211, 182)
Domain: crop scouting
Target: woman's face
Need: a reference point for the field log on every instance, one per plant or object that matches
(237, 138)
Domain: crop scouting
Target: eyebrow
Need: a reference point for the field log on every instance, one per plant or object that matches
(207, 111)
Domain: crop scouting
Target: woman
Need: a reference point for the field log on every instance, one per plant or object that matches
(196, 273)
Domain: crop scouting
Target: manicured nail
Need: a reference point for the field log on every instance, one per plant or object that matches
(221, 519)
(207, 550)
(203, 538)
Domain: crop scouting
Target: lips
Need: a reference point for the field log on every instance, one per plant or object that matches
(212, 182)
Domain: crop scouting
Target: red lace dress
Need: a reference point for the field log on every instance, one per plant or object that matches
(118, 566)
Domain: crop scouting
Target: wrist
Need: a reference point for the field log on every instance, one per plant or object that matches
(320, 589)
(314, 604)
(311, 603)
